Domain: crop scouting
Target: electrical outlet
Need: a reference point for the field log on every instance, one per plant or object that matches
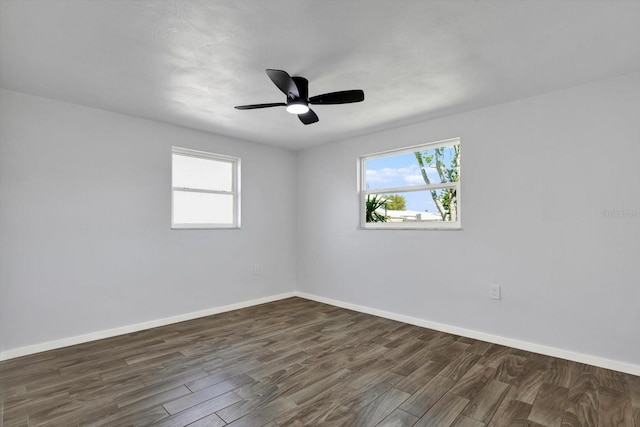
(256, 269)
(494, 292)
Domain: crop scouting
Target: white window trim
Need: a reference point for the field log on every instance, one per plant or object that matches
(363, 193)
(235, 189)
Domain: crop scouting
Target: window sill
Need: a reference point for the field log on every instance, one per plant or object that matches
(204, 227)
(408, 227)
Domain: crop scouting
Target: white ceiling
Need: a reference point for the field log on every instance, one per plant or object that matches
(189, 62)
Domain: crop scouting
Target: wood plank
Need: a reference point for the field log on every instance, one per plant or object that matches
(464, 421)
(421, 401)
(473, 381)
(633, 385)
(171, 381)
(398, 418)
(138, 417)
(199, 411)
(413, 362)
(529, 383)
(193, 399)
(71, 414)
(486, 402)
(611, 379)
(265, 391)
(296, 362)
(510, 413)
(579, 415)
(548, 407)
(154, 400)
(559, 373)
(317, 386)
(322, 411)
(584, 390)
(264, 414)
(444, 412)
(460, 365)
(363, 397)
(21, 421)
(378, 410)
(209, 421)
(616, 408)
(511, 368)
(421, 376)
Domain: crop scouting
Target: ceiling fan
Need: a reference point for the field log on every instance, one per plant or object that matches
(297, 91)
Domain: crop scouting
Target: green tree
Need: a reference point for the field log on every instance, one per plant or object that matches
(374, 202)
(445, 199)
(396, 202)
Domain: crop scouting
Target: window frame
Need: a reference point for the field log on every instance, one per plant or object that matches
(424, 225)
(235, 189)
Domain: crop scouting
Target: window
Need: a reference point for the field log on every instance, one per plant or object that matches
(413, 187)
(205, 190)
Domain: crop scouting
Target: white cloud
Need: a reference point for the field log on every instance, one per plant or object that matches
(387, 175)
(399, 177)
(414, 179)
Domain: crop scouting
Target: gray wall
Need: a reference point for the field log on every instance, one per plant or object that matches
(537, 176)
(85, 239)
(85, 242)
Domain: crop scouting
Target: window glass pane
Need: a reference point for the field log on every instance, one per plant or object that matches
(202, 208)
(201, 174)
(406, 170)
(413, 206)
(441, 164)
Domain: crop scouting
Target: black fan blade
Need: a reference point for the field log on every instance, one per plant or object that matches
(284, 82)
(254, 106)
(342, 97)
(308, 117)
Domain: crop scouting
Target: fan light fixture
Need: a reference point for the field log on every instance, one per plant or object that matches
(297, 91)
(297, 107)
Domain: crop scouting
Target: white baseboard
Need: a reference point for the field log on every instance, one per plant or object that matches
(65, 342)
(469, 333)
(482, 336)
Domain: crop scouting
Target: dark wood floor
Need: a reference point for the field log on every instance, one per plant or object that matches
(301, 363)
